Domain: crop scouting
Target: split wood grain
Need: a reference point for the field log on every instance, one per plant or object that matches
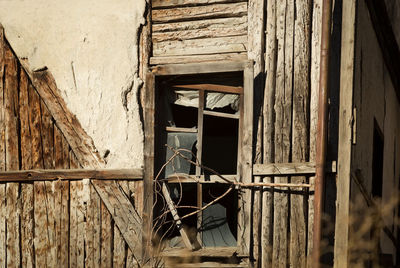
(159, 60)
(283, 110)
(268, 135)
(3, 217)
(300, 130)
(199, 12)
(119, 250)
(171, 3)
(13, 233)
(47, 133)
(201, 46)
(315, 71)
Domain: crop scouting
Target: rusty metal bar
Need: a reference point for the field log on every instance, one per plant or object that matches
(321, 129)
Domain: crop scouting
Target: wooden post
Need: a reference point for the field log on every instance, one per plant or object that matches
(345, 133)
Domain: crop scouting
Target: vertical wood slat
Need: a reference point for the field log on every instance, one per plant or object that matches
(27, 257)
(106, 237)
(2, 156)
(283, 99)
(256, 44)
(119, 252)
(40, 239)
(345, 133)
(315, 60)
(268, 139)
(12, 156)
(300, 126)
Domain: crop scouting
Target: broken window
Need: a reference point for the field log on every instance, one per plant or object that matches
(200, 116)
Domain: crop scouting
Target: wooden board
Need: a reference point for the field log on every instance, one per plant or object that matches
(199, 12)
(300, 130)
(201, 46)
(241, 56)
(171, 3)
(345, 132)
(283, 111)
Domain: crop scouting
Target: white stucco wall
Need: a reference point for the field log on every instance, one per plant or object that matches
(91, 49)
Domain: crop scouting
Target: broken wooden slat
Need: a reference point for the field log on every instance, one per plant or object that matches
(71, 174)
(181, 129)
(276, 169)
(201, 46)
(176, 218)
(199, 12)
(241, 56)
(219, 114)
(300, 127)
(170, 3)
(213, 87)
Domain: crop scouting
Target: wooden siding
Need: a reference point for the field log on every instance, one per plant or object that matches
(186, 31)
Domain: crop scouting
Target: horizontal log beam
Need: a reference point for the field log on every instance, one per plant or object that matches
(242, 56)
(71, 174)
(277, 169)
(213, 87)
(176, 3)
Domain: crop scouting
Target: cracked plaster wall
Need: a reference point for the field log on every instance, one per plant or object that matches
(91, 48)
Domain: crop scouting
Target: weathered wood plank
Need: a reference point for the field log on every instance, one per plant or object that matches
(245, 169)
(268, 139)
(300, 130)
(13, 234)
(171, 3)
(26, 143)
(303, 168)
(106, 237)
(315, 70)
(11, 109)
(47, 132)
(3, 213)
(199, 33)
(12, 156)
(195, 68)
(71, 174)
(119, 250)
(283, 99)
(123, 213)
(199, 12)
(241, 56)
(62, 203)
(345, 132)
(201, 46)
(3, 216)
(213, 87)
(210, 24)
(256, 50)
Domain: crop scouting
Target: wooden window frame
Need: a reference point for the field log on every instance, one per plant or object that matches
(245, 153)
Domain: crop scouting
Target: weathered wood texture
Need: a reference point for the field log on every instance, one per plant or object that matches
(287, 115)
(183, 30)
(51, 223)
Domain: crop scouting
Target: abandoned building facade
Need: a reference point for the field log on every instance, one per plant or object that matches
(200, 133)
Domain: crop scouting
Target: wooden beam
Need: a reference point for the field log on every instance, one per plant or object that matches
(213, 87)
(276, 169)
(219, 114)
(387, 40)
(241, 56)
(196, 68)
(70, 174)
(341, 246)
(174, 3)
